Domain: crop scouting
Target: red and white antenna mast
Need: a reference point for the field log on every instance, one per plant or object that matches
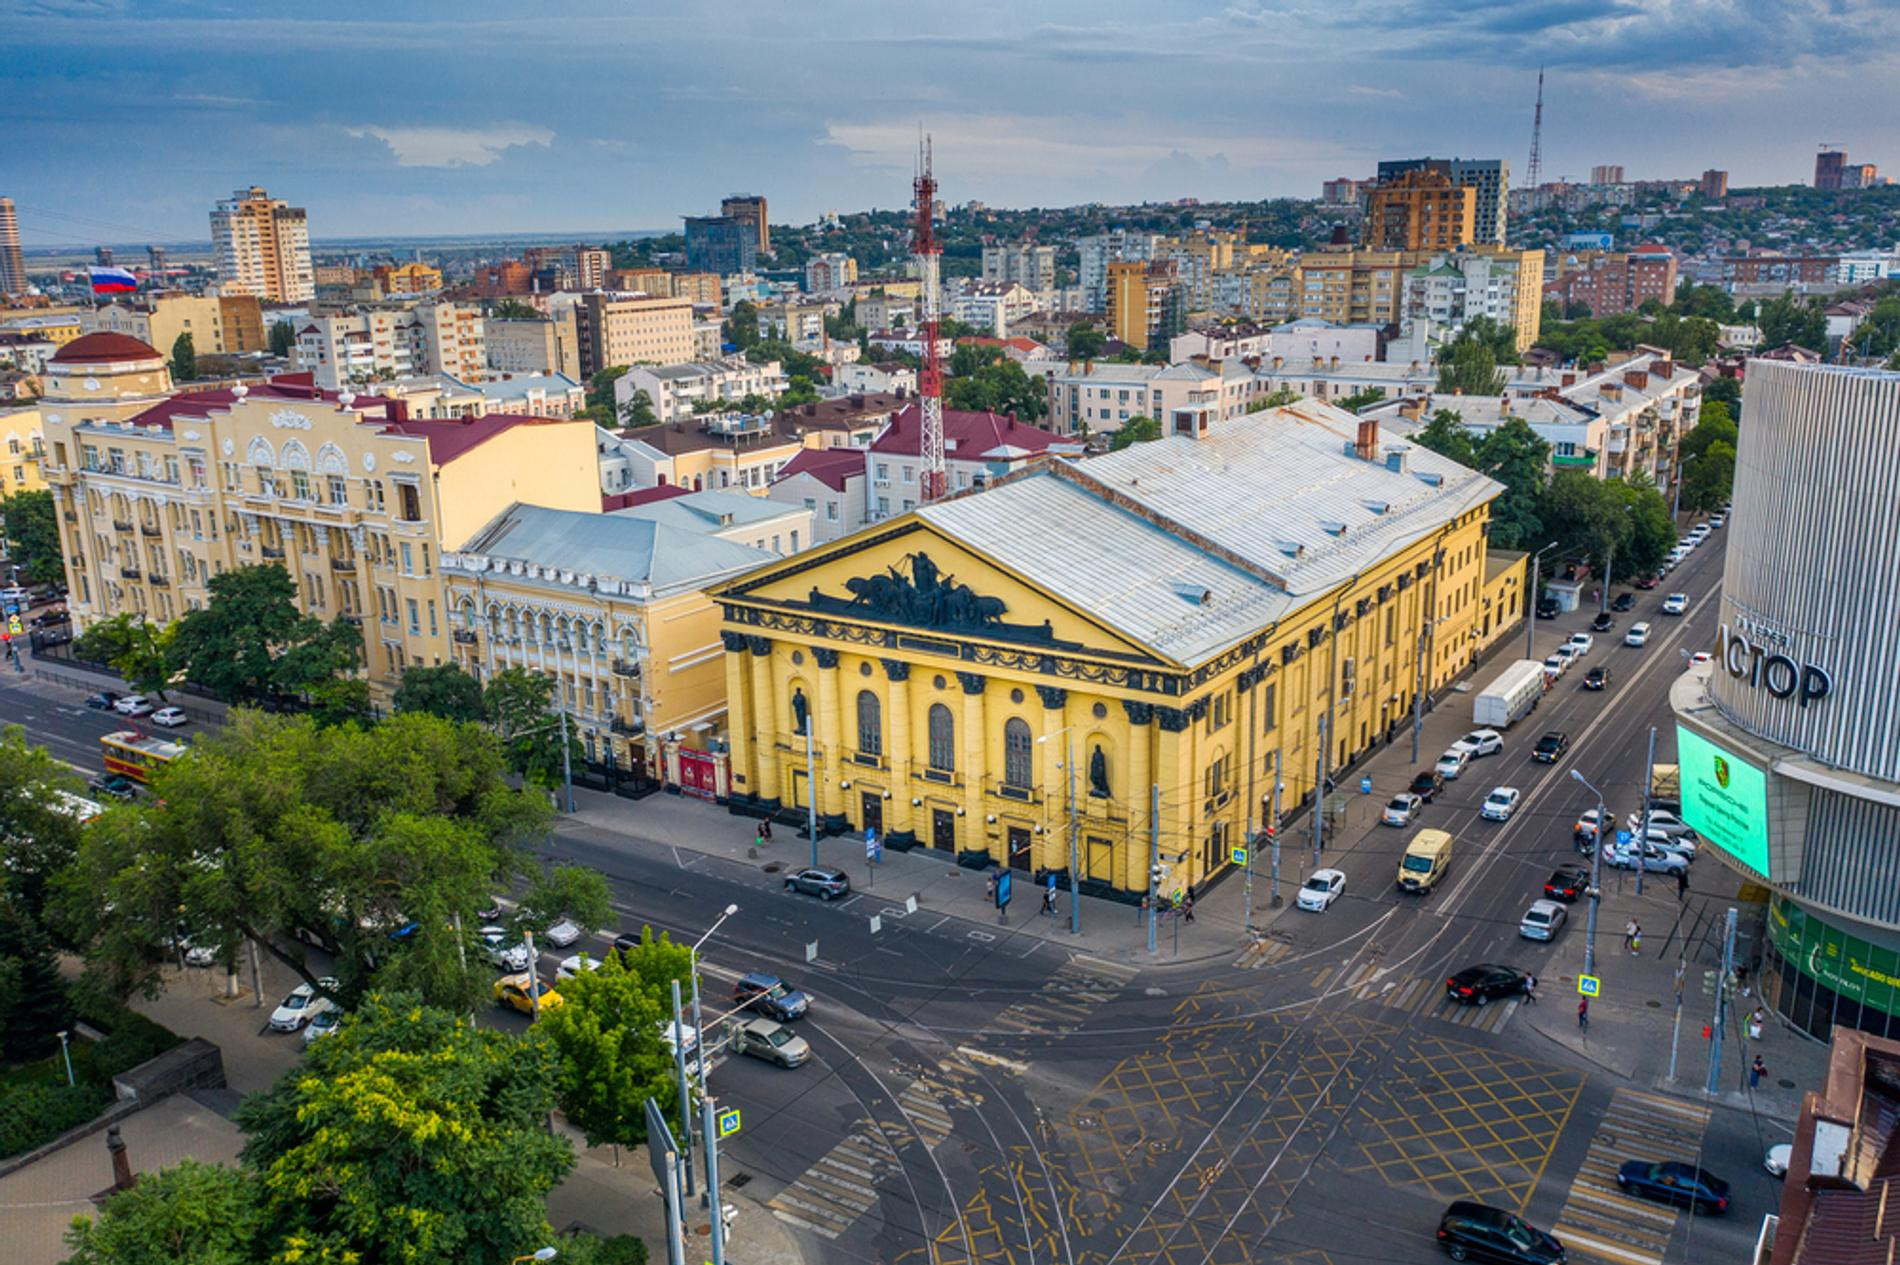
(925, 248)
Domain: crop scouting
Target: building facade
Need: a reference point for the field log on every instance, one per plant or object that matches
(1788, 743)
(219, 325)
(616, 329)
(12, 262)
(1102, 396)
(547, 345)
(1444, 292)
(1608, 282)
(1115, 616)
(1420, 210)
(721, 244)
(830, 272)
(1029, 265)
(261, 247)
(750, 209)
(377, 341)
(675, 391)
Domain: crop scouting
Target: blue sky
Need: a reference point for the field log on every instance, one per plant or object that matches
(123, 121)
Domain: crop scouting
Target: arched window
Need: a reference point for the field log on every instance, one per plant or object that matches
(1018, 754)
(943, 739)
(870, 723)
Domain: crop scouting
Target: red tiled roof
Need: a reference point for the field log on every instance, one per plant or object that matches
(832, 467)
(287, 387)
(611, 501)
(453, 437)
(1019, 343)
(102, 347)
(967, 436)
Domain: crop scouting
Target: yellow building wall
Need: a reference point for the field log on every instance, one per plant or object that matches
(553, 464)
(20, 441)
(686, 667)
(1210, 749)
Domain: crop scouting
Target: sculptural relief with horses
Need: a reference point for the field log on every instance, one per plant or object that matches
(928, 597)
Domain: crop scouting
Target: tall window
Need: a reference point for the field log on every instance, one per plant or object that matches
(943, 739)
(870, 724)
(1018, 754)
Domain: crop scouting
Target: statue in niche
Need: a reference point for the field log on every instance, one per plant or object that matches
(801, 711)
(1098, 772)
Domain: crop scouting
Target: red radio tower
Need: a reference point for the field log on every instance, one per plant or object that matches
(925, 248)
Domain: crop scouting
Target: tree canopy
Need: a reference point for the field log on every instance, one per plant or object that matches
(445, 691)
(1469, 365)
(1086, 341)
(1445, 434)
(741, 327)
(32, 533)
(1608, 517)
(983, 379)
(1790, 318)
(136, 649)
(184, 358)
(520, 706)
(189, 1214)
(250, 644)
(283, 338)
(638, 411)
(1707, 454)
(1139, 429)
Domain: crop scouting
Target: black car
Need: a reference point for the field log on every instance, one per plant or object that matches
(117, 785)
(1568, 883)
(46, 619)
(1474, 1232)
(1596, 679)
(820, 881)
(1550, 746)
(626, 941)
(1427, 785)
(1623, 602)
(1684, 1185)
(1547, 608)
(1477, 985)
(770, 996)
(1603, 622)
(103, 701)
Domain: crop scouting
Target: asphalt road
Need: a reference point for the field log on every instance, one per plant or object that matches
(981, 1095)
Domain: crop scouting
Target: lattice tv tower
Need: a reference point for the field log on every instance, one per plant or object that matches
(925, 249)
(1534, 169)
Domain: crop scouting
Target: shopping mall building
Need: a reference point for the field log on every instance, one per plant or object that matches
(1789, 741)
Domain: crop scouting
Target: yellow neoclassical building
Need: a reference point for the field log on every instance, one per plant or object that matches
(1189, 616)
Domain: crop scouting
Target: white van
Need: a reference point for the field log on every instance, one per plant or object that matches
(1638, 635)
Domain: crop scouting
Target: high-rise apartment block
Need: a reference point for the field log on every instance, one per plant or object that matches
(1607, 173)
(721, 244)
(626, 330)
(534, 346)
(262, 247)
(1420, 210)
(1450, 290)
(1031, 266)
(1145, 304)
(1829, 166)
(1489, 178)
(1607, 282)
(829, 272)
(392, 340)
(749, 208)
(1714, 183)
(1340, 191)
(12, 262)
(1099, 251)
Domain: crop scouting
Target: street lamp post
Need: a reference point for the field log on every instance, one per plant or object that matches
(1596, 878)
(811, 792)
(1530, 606)
(1075, 892)
(1675, 493)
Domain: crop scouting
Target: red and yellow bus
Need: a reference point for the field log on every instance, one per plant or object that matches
(136, 754)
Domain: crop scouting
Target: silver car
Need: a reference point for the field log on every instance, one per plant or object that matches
(772, 1041)
(1543, 920)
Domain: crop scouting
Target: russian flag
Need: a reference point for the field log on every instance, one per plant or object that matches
(112, 280)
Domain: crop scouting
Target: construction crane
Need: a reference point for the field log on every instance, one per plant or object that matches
(925, 249)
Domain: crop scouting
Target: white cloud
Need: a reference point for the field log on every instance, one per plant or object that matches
(1367, 90)
(455, 146)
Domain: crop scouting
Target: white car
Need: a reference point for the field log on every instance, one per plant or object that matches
(1776, 1161)
(562, 933)
(197, 954)
(1719, 520)
(1543, 920)
(1680, 845)
(504, 950)
(1699, 533)
(1655, 860)
(1321, 889)
(1480, 742)
(1580, 643)
(322, 1024)
(1664, 820)
(1402, 809)
(1675, 604)
(1586, 826)
(1451, 764)
(301, 1006)
(1568, 653)
(570, 967)
(133, 705)
(170, 717)
(1554, 666)
(1499, 804)
(1638, 635)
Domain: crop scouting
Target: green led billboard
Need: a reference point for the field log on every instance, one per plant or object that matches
(1724, 799)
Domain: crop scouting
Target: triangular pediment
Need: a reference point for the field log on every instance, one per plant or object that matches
(911, 576)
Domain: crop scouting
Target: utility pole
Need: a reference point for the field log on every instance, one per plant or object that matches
(1675, 1036)
(1075, 875)
(1721, 1001)
(567, 759)
(1596, 879)
(1642, 824)
(1273, 827)
(1603, 589)
(811, 797)
(1154, 857)
(710, 1141)
(685, 1163)
(534, 976)
(1530, 608)
(1319, 787)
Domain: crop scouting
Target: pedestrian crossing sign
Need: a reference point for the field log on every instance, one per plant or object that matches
(728, 1122)
(13, 625)
(1238, 856)
(1589, 985)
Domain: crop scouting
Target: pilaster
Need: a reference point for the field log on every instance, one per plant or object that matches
(766, 731)
(903, 818)
(975, 736)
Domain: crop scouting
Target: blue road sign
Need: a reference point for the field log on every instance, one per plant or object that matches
(1365, 786)
(728, 1122)
(1622, 838)
(1004, 882)
(1238, 856)
(1589, 985)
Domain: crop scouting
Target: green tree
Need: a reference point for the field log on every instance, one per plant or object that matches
(445, 691)
(137, 650)
(407, 1136)
(33, 1002)
(1709, 301)
(992, 382)
(1469, 366)
(1714, 423)
(1086, 341)
(39, 836)
(1515, 456)
(798, 390)
(1360, 399)
(375, 840)
(1139, 429)
(608, 1034)
(251, 645)
(1446, 435)
(1275, 398)
(32, 534)
(1726, 390)
(1878, 335)
(514, 310)
(1652, 534)
(1787, 318)
(189, 1214)
(638, 411)
(741, 327)
(564, 891)
(184, 358)
(520, 706)
(600, 390)
(1709, 480)
(283, 338)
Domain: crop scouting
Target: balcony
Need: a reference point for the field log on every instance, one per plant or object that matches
(621, 667)
(356, 620)
(1575, 460)
(130, 573)
(1019, 794)
(628, 728)
(270, 552)
(158, 581)
(463, 637)
(69, 516)
(151, 529)
(344, 566)
(122, 524)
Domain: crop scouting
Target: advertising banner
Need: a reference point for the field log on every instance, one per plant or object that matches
(1724, 799)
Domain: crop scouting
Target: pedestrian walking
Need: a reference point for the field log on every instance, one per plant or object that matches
(1187, 907)
(765, 829)
(1682, 883)
(1756, 1071)
(1583, 1013)
(1530, 988)
(1756, 1022)
(1636, 941)
(1048, 900)
(989, 889)
(758, 837)
(1633, 936)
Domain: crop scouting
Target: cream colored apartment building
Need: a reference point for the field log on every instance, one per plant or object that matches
(262, 247)
(392, 340)
(544, 345)
(617, 329)
(218, 325)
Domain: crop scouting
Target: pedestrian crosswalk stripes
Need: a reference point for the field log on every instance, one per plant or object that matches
(1066, 998)
(1601, 1224)
(1262, 953)
(1424, 995)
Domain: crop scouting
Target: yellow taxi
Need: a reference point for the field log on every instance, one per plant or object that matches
(515, 991)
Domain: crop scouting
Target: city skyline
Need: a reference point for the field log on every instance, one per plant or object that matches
(383, 119)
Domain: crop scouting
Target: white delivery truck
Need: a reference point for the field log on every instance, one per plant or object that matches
(1511, 696)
